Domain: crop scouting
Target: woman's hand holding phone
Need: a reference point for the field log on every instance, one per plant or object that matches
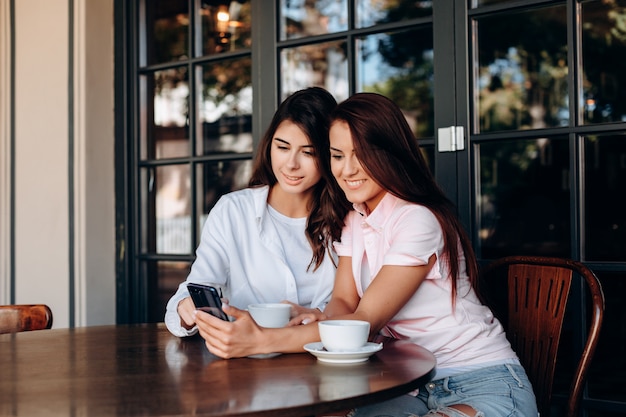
(207, 298)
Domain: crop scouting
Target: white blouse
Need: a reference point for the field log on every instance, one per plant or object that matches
(242, 253)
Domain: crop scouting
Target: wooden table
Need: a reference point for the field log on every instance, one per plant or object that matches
(144, 370)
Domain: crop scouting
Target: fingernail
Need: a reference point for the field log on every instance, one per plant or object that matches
(306, 321)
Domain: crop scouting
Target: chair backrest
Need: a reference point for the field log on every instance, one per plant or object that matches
(538, 290)
(24, 317)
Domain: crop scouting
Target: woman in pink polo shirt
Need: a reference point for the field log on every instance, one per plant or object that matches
(407, 266)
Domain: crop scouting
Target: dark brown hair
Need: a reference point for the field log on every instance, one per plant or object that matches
(310, 110)
(388, 151)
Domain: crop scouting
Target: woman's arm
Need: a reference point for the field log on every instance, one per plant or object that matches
(243, 337)
(209, 267)
(389, 292)
(345, 298)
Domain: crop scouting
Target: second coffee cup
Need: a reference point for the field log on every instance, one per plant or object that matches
(270, 314)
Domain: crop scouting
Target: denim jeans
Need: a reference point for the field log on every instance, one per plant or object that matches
(494, 391)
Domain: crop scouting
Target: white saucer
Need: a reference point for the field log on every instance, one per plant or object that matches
(361, 355)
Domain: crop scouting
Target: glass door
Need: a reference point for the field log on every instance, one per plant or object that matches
(547, 146)
(532, 87)
(189, 85)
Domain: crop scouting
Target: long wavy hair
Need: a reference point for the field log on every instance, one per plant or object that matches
(388, 151)
(309, 109)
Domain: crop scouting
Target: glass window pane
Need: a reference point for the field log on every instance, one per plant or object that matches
(225, 107)
(165, 121)
(524, 198)
(522, 80)
(166, 209)
(369, 13)
(321, 65)
(301, 18)
(400, 66)
(161, 280)
(167, 31)
(216, 179)
(603, 41)
(605, 208)
(225, 26)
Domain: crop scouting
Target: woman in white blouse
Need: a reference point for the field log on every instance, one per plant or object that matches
(271, 242)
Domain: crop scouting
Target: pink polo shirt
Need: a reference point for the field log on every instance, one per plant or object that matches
(407, 234)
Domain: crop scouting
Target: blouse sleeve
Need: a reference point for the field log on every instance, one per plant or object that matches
(414, 236)
(210, 266)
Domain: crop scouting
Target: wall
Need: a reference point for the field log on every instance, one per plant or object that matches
(57, 178)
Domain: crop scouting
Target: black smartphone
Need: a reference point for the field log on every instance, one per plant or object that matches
(207, 298)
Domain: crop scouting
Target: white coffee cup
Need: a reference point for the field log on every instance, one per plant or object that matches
(270, 314)
(344, 335)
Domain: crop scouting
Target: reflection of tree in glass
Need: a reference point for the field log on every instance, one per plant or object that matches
(539, 39)
(412, 91)
(170, 39)
(171, 97)
(603, 46)
(170, 79)
(167, 26)
(411, 53)
(395, 11)
(313, 17)
(500, 104)
(532, 45)
(222, 83)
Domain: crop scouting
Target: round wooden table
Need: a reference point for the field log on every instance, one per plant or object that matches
(129, 370)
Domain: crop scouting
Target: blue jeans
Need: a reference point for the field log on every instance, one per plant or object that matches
(494, 391)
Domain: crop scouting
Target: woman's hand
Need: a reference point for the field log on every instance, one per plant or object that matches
(303, 315)
(231, 339)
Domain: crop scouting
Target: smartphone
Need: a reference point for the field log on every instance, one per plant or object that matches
(207, 298)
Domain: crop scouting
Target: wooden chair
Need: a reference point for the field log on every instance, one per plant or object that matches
(24, 317)
(538, 290)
